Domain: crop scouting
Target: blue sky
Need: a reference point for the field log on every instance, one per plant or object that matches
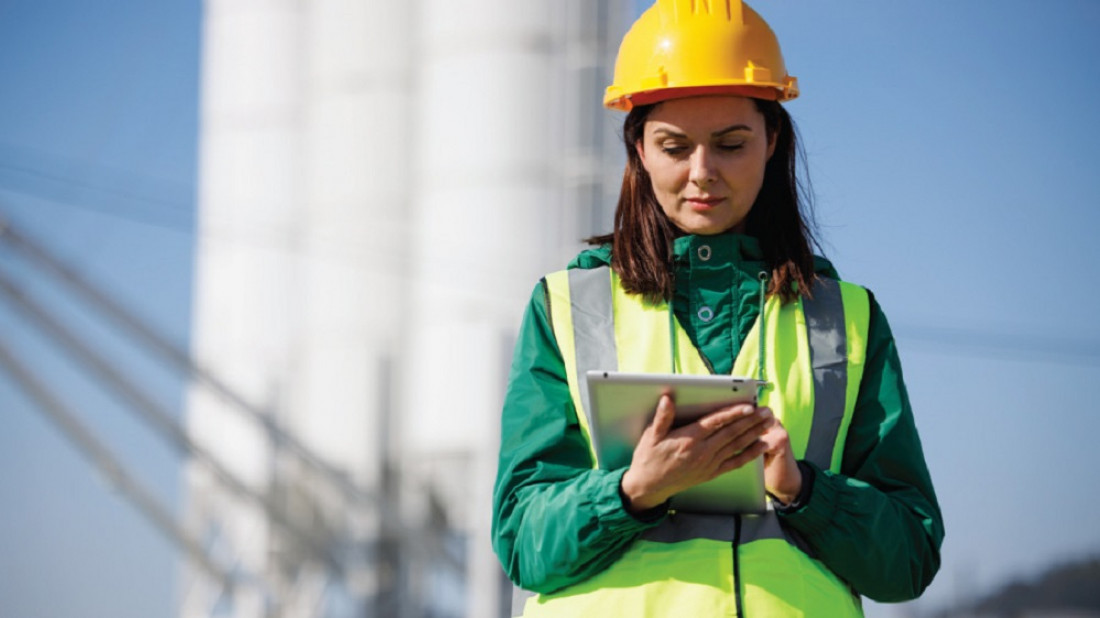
(953, 149)
(98, 126)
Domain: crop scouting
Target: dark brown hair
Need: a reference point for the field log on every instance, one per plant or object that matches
(641, 242)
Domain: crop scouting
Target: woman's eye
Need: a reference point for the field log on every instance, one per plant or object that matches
(736, 146)
(673, 149)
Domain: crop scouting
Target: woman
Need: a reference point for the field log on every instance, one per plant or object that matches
(710, 270)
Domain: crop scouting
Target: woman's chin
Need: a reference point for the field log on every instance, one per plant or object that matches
(708, 227)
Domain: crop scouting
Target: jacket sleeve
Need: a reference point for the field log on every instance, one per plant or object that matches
(877, 524)
(556, 520)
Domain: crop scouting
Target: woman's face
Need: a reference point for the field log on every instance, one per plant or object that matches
(706, 157)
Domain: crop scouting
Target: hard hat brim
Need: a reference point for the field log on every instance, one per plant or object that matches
(649, 97)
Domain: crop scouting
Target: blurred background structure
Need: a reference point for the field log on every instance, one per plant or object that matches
(363, 170)
(261, 263)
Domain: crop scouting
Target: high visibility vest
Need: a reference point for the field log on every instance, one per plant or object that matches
(716, 565)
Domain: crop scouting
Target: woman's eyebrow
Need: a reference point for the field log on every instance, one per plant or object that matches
(668, 132)
(731, 129)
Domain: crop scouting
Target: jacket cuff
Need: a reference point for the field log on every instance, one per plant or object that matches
(643, 519)
(813, 513)
(809, 475)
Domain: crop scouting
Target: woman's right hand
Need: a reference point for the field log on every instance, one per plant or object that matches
(668, 461)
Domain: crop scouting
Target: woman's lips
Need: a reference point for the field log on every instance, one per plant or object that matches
(700, 204)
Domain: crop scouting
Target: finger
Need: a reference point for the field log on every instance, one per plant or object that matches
(741, 442)
(740, 435)
(733, 462)
(726, 416)
(754, 423)
(776, 437)
(664, 417)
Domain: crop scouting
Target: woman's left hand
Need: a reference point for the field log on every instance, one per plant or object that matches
(782, 478)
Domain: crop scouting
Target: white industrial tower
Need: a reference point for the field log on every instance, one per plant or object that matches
(381, 185)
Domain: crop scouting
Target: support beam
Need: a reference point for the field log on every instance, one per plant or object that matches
(175, 355)
(157, 417)
(111, 467)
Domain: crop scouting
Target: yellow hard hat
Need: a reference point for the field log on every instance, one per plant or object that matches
(680, 48)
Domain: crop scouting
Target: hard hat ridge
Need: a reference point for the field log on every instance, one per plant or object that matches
(683, 8)
(681, 48)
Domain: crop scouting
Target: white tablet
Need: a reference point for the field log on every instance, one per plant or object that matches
(623, 404)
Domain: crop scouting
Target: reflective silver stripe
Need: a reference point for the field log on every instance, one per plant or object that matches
(519, 600)
(678, 527)
(828, 338)
(769, 526)
(593, 326)
(594, 343)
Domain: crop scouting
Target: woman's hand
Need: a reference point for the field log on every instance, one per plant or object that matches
(782, 478)
(668, 461)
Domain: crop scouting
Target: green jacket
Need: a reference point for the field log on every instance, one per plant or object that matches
(556, 520)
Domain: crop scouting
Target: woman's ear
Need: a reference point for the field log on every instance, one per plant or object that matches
(640, 149)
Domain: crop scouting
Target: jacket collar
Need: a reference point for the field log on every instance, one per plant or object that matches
(724, 248)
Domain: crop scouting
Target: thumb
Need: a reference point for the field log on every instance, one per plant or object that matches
(663, 418)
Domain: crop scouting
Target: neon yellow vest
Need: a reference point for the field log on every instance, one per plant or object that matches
(717, 565)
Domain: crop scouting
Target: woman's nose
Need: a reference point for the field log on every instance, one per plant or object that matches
(702, 169)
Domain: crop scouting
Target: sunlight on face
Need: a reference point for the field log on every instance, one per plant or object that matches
(705, 157)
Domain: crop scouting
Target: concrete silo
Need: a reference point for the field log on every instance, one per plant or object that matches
(381, 184)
